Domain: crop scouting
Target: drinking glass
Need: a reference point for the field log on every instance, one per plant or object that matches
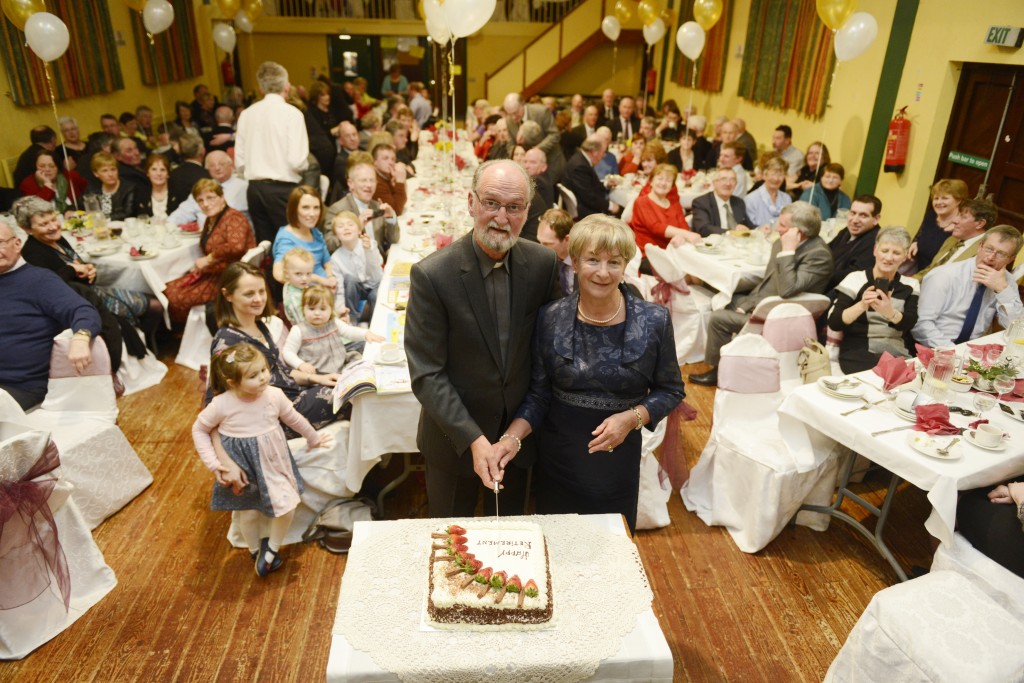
(1003, 384)
(984, 402)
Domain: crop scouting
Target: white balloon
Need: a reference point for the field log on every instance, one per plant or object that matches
(224, 37)
(856, 36)
(243, 23)
(690, 39)
(654, 31)
(611, 28)
(47, 35)
(437, 25)
(158, 15)
(465, 17)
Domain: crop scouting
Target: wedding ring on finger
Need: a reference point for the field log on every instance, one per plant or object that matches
(611, 448)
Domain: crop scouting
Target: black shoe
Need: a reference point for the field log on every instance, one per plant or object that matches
(706, 379)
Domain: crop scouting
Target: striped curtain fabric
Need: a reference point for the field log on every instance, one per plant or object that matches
(788, 60)
(711, 63)
(176, 49)
(89, 67)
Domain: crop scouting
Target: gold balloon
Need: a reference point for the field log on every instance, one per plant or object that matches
(254, 8)
(420, 11)
(137, 5)
(835, 12)
(623, 11)
(707, 13)
(648, 11)
(667, 17)
(18, 11)
(229, 8)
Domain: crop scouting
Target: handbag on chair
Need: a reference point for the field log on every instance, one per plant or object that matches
(813, 361)
(334, 525)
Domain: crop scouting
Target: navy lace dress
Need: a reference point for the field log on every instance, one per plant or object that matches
(583, 374)
(313, 402)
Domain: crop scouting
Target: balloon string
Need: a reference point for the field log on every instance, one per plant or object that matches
(824, 126)
(156, 77)
(689, 107)
(615, 55)
(53, 103)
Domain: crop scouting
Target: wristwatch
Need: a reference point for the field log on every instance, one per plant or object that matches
(83, 333)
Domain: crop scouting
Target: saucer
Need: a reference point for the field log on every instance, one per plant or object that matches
(905, 414)
(104, 250)
(397, 361)
(855, 390)
(143, 257)
(929, 445)
(969, 438)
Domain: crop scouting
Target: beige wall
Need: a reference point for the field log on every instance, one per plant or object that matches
(595, 72)
(18, 121)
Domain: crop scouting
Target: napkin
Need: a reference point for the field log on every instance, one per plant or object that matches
(934, 419)
(1016, 395)
(893, 371)
(460, 163)
(189, 227)
(924, 354)
(442, 240)
(987, 350)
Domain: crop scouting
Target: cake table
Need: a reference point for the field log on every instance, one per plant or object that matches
(602, 603)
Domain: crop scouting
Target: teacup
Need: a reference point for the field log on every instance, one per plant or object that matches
(390, 353)
(905, 401)
(988, 435)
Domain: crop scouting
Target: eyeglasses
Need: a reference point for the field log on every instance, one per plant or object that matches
(8, 240)
(494, 207)
(990, 251)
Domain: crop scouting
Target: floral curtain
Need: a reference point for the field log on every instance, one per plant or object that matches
(89, 67)
(788, 58)
(711, 63)
(176, 49)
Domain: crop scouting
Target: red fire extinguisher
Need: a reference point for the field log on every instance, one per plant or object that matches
(896, 143)
(227, 71)
(652, 80)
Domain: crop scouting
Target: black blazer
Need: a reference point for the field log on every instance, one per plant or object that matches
(122, 204)
(545, 188)
(634, 125)
(180, 182)
(43, 256)
(705, 218)
(451, 342)
(580, 177)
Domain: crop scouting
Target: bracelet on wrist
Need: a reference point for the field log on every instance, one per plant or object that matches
(639, 419)
(83, 333)
(519, 444)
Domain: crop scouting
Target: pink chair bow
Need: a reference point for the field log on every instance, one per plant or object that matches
(30, 551)
(661, 293)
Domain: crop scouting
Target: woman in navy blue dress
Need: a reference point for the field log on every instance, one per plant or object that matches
(604, 366)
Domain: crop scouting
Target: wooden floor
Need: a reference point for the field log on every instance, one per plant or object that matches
(188, 607)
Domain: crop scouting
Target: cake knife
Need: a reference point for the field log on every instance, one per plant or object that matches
(496, 500)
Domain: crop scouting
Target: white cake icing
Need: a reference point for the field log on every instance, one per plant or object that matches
(515, 548)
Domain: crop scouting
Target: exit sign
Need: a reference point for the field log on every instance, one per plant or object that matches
(1005, 36)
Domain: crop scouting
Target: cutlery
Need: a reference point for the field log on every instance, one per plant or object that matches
(834, 386)
(867, 404)
(945, 451)
(894, 429)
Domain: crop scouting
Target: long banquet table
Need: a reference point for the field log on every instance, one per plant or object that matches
(807, 408)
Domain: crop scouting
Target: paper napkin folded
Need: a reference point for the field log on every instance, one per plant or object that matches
(893, 371)
(934, 419)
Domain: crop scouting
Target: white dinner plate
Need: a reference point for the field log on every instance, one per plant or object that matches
(854, 390)
(930, 445)
(104, 250)
(705, 249)
(905, 414)
(969, 437)
(143, 257)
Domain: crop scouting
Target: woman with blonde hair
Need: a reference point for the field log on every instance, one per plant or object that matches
(946, 197)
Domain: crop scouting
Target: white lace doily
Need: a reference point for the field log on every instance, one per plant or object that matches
(599, 587)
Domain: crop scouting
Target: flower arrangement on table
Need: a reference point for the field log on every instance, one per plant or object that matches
(1003, 366)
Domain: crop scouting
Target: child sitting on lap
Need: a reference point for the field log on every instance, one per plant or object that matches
(316, 344)
(358, 266)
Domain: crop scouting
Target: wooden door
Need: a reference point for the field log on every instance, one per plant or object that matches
(989, 105)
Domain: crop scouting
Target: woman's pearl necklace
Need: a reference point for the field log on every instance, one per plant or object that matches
(579, 309)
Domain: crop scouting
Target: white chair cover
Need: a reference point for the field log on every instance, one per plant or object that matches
(323, 474)
(29, 625)
(88, 395)
(785, 328)
(194, 351)
(746, 479)
(689, 305)
(137, 374)
(815, 303)
(939, 627)
(567, 200)
(10, 411)
(993, 579)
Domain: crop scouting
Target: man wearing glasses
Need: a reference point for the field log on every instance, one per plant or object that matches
(960, 299)
(469, 329)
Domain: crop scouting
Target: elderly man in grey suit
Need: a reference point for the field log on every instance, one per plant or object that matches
(517, 111)
(468, 334)
(800, 262)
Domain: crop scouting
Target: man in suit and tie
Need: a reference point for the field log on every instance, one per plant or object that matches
(581, 178)
(469, 327)
(536, 164)
(181, 180)
(960, 300)
(531, 137)
(853, 249)
(969, 225)
(553, 233)
(626, 124)
(576, 110)
(800, 262)
(719, 210)
(607, 111)
(583, 131)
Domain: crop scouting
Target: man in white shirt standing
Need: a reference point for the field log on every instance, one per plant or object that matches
(272, 150)
(959, 300)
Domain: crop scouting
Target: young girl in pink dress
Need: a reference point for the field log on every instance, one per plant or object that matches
(256, 474)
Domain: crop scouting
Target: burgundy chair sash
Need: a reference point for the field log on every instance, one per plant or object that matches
(661, 293)
(30, 550)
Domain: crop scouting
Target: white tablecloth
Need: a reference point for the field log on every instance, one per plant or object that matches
(120, 270)
(644, 654)
(807, 407)
(728, 273)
